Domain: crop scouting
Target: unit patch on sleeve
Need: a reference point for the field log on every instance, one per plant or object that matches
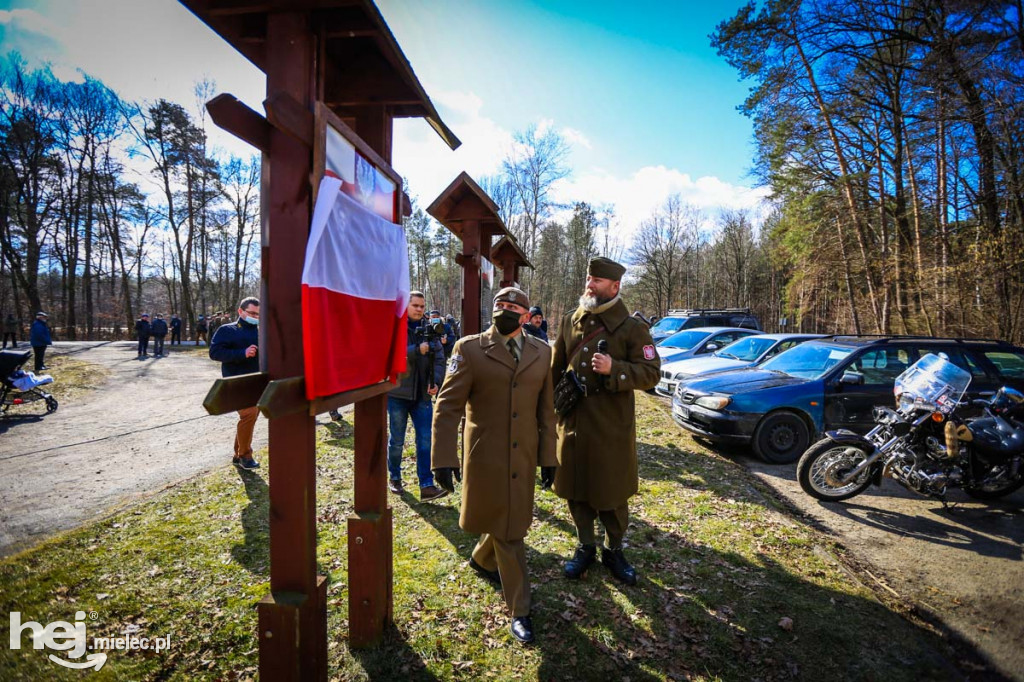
(454, 364)
(649, 353)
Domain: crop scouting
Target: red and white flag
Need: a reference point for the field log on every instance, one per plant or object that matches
(355, 289)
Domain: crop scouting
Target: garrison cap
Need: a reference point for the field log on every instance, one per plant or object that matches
(513, 295)
(605, 268)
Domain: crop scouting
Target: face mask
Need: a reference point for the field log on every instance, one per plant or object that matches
(505, 321)
(435, 320)
(252, 320)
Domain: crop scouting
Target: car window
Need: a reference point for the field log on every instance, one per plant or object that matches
(685, 339)
(1009, 363)
(748, 348)
(959, 358)
(668, 324)
(881, 366)
(808, 360)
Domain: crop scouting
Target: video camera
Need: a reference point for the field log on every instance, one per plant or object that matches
(429, 330)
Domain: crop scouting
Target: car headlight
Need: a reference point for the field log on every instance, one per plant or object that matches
(713, 402)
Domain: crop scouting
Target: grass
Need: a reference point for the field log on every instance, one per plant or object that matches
(732, 587)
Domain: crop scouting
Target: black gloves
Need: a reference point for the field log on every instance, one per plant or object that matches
(443, 477)
(547, 477)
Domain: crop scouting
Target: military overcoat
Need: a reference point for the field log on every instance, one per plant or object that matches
(510, 430)
(597, 440)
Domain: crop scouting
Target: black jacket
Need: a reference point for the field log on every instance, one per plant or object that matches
(228, 348)
(142, 328)
(414, 382)
(537, 332)
(158, 328)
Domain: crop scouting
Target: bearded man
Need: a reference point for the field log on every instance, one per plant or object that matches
(597, 472)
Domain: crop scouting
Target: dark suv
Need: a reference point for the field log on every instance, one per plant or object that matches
(677, 320)
(782, 405)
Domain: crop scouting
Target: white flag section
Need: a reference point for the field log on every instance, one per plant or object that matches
(355, 289)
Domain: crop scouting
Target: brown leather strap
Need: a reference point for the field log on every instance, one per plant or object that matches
(568, 360)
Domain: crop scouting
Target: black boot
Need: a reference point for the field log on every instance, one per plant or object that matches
(580, 562)
(616, 562)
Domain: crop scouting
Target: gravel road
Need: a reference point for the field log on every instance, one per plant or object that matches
(961, 564)
(142, 430)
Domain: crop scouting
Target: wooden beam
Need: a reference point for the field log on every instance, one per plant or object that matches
(235, 393)
(230, 114)
(333, 402)
(288, 116)
(283, 397)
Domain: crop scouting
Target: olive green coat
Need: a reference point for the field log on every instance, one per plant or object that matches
(597, 440)
(510, 430)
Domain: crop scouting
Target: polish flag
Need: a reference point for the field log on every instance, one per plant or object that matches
(355, 289)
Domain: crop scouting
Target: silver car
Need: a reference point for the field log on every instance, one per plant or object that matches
(694, 343)
(745, 352)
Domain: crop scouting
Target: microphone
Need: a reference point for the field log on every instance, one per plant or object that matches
(602, 346)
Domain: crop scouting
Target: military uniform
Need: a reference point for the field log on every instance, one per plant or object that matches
(509, 432)
(597, 471)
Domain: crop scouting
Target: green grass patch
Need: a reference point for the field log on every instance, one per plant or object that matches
(721, 567)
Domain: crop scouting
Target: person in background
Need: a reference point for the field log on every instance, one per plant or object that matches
(39, 338)
(449, 337)
(159, 330)
(201, 328)
(454, 325)
(11, 330)
(142, 331)
(175, 329)
(501, 382)
(533, 326)
(411, 398)
(236, 348)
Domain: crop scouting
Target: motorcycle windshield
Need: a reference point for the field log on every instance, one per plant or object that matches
(932, 383)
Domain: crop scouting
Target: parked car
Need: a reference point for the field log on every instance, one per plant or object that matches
(745, 352)
(678, 320)
(697, 342)
(780, 406)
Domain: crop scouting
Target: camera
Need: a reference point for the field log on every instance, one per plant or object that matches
(429, 331)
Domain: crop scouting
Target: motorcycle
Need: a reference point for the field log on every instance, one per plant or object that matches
(924, 444)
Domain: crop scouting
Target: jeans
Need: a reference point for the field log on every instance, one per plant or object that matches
(422, 412)
(143, 345)
(158, 345)
(39, 352)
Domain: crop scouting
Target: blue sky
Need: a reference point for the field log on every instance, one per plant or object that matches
(647, 106)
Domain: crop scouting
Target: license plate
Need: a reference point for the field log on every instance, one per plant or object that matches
(664, 386)
(681, 412)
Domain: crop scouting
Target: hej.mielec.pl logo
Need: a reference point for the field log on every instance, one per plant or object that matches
(71, 637)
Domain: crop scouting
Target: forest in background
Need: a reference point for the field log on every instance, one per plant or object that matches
(890, 135)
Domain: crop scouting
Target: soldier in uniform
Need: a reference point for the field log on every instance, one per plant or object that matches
(597, 471)
(501, 380)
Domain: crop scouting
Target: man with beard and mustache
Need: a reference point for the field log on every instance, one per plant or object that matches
(597, 471)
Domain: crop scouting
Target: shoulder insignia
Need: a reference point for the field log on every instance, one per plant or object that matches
(454, 364)
(649, 353)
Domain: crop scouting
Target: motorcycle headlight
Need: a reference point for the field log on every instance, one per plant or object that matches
(713, 402)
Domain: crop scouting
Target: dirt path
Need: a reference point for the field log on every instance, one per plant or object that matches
(144, 429)
(964, 565)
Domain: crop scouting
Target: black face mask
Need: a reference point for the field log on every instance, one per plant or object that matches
(505, 321)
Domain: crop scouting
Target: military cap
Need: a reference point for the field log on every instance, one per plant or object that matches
(513, 295)
(605, 268)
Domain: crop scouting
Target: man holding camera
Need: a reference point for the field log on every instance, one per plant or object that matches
(613, 355)
(411, 398)
(501, 381)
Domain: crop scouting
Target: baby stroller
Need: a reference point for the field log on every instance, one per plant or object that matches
(18, 387)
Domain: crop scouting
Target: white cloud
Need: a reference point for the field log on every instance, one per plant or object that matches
(575, 137)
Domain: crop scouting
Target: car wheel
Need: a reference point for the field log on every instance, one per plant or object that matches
(781, 438)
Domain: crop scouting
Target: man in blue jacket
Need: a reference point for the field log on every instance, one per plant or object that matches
(142, 332)
(159, 331)
(411, 398)
(235, 347)
(39, 338)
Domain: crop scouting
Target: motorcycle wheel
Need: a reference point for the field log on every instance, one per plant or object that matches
(993, 492)
(821, 467)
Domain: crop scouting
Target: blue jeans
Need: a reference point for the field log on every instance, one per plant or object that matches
(422, 412)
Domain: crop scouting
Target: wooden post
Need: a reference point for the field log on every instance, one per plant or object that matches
(471, 277)
(370, 595)
(293, 639)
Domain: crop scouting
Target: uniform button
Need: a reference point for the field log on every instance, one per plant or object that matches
(585, 349)
(583, 364)
(515, 414)
(514, 475)
(515, 445)
(583, 379)
(622, 377)
(591, 322)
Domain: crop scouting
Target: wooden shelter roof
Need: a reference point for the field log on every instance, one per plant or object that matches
(363, 64)
(464, 200)
(508, 244)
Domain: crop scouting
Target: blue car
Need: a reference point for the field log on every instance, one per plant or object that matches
(783, 404)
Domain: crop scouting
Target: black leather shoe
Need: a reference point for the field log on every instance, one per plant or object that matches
(616, 562)
(490, 576)
(522, 629)
(577, 566)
